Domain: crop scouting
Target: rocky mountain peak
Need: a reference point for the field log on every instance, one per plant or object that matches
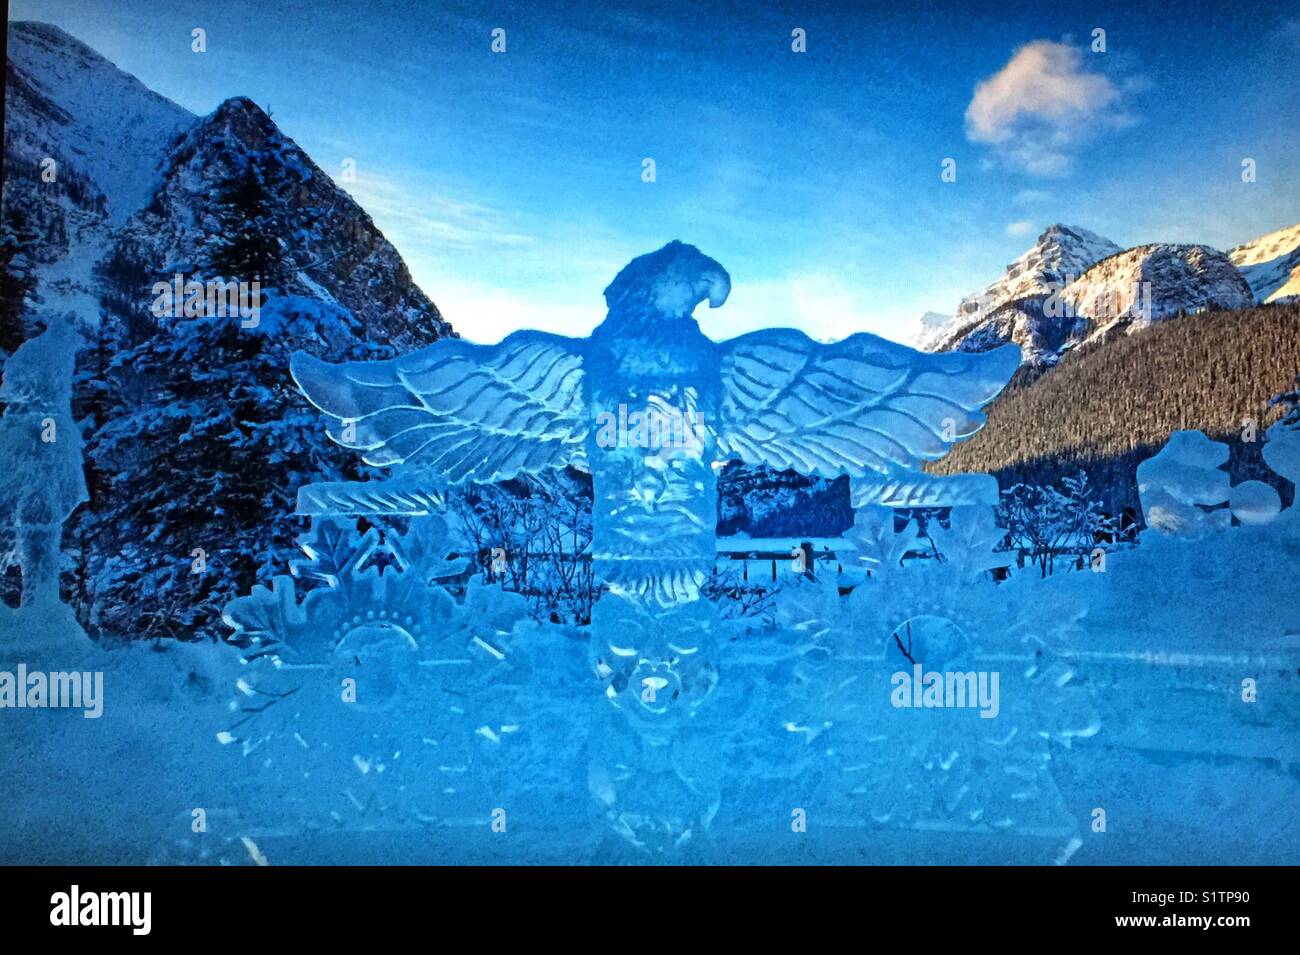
(1074, 286)
(105, 130)
(1060, 253)
(1271, 264)
(1148, 283)
(329, 247)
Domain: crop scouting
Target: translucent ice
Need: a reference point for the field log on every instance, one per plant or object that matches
(917, 489)
(43, 480)
(875, 542)
(1282, 452)
(649, 404)
(968, 542)
(1181, 479)
(1254, 502)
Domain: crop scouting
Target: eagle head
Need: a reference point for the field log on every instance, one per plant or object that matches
(667, 283)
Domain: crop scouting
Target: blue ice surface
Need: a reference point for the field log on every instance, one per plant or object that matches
(1146, 713)
(1138, 711)
(651, 406)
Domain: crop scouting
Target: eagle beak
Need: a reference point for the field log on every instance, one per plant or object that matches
(719, 287)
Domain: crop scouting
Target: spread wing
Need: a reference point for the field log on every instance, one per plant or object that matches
(462, 411)
(862, 406)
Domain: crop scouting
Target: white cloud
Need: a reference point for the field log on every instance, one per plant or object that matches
(1019, 227)
(1036, 110)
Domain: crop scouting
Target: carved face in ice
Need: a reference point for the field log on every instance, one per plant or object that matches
(655, 668)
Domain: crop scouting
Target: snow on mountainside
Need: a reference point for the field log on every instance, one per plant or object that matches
(330, 249)
(1143, 285)
(68, 103)
(933, 327)
(133, 192)
(760, 502)
(1061, 253)
(84, 148)
(170, 402)
(1271, 264)
(1074, 286)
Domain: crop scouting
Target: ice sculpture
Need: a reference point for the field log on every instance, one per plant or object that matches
(1254, 502)
(1185, 477)
(914, 489)
(1181, 480)
(648, 404)
(378, 684)
(652, 407)
(1282, 455)
(43, 481)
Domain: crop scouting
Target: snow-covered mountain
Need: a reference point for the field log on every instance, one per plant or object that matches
(84, 148)
(1060, 254)
(933, 327)
(1104, 407)
(140, 189)
(1074, 286)
(1146, 284)
(1271, 264)
(331, 250)
(66, 102)
(133, 187)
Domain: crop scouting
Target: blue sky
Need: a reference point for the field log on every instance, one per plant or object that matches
(512, 183)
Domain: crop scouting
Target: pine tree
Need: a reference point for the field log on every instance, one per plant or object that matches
(16, 281)
(125, 281)
(247, 246)
(200, 441)
(1107, 406)
(1289, 402)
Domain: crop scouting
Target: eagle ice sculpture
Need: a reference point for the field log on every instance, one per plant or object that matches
(651, 407)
